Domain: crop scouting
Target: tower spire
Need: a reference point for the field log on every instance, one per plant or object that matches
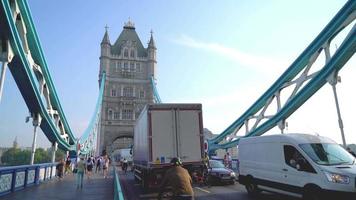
(151, 43)
(106, 38)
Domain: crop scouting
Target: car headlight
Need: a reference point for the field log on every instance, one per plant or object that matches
(337, 178)
(232, 174)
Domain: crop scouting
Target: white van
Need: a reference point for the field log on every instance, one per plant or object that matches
(308, 166)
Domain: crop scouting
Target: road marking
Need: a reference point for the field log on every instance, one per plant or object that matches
(201, 189)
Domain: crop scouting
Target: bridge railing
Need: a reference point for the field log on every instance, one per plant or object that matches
(19, 177)
(118, 194)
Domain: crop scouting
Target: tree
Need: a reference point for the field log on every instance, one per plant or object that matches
(42, 156)
(15, 156)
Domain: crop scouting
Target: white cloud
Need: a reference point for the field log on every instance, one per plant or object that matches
(254, 62)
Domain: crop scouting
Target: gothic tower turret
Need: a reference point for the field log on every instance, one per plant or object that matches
(105, 53)
(151, 55)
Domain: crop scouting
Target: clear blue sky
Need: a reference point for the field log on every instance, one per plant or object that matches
(223, 54)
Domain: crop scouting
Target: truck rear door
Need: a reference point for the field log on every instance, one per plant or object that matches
(163, 138)
(188, 135)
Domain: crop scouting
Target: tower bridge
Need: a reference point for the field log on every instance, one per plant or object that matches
(127, 81)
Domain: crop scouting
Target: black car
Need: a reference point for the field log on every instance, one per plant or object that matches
(219, 173)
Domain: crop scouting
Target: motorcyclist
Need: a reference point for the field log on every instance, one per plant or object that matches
(179, 180)
(124, 165)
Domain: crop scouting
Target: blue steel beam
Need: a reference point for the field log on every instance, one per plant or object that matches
(156, 96)
(328, 33)
(38, 56)
(342, 55)
(26, 80)
(90, 131)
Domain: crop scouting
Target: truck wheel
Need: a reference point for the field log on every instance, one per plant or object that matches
(252, 188)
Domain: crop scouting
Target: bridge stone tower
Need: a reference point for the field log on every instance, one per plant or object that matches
(129, 68)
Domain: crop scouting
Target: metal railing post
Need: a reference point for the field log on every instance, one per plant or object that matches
(54, 149)
(36, 121)
(2, 77)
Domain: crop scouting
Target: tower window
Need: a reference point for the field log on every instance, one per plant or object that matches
(116, 115)
(113, 92)
(138, 67)
(132, 53)
(118, 66)
(110, 114)
(127, 114)
(126, 67)
(128, 92)
(142, 94)
(126, 53)
(132, 67)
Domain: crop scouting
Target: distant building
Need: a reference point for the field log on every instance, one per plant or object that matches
(129, 67)
(15, 144)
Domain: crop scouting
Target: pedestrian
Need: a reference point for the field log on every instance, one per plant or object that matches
(67, 168)
(80, 168)
(60, 169)
(90, 165)
(105, 166)
(229, 160)
(98, 164)
(225, 160)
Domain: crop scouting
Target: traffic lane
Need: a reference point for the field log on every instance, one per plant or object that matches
(134, 191)
(235, 191)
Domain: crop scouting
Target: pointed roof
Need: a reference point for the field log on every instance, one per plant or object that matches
(106, 38)
(151, 43)
(128, 34)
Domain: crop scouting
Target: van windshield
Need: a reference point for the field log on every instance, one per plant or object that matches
(328, 154)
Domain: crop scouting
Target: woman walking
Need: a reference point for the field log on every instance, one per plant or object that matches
(106, 166)
(80, 172)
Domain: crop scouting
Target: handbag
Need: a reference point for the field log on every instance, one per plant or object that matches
(75, 170)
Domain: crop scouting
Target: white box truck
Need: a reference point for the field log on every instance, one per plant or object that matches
(302, 165)
(165, 131)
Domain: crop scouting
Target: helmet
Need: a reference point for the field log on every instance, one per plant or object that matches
(176, 161)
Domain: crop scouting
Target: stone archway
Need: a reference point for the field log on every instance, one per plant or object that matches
(121, 142)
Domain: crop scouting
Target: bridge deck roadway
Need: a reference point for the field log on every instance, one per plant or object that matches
(96, 188)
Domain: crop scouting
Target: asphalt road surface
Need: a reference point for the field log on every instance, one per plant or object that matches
(133, 191)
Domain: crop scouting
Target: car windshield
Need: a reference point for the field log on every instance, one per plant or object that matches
(327, 154)
(216, 164)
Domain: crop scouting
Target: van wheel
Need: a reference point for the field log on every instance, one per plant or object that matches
(311, 194)
(252, 188)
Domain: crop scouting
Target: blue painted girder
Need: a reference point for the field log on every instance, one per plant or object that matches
(333, 27)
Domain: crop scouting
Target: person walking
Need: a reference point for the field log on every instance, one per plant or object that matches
(105, 166)
(90, 165)
(80, 172)
(60, 169)
(98, 164)
(229, 160)
(67, 168)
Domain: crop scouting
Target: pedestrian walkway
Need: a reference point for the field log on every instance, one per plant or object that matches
(96, 188)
